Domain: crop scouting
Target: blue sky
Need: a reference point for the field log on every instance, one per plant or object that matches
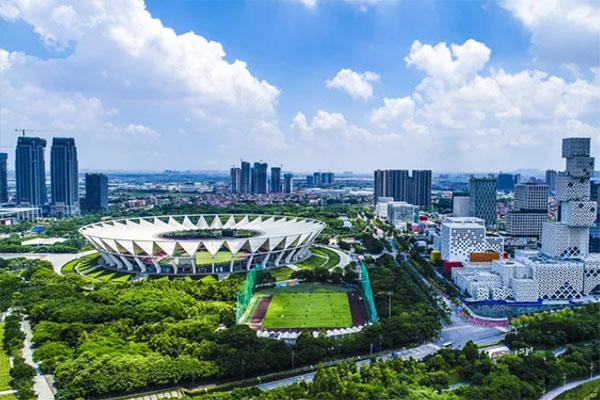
(332, 85)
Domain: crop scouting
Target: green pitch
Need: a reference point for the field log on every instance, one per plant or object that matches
(308, 310)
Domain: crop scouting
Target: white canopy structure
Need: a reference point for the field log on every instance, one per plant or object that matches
(202, 244)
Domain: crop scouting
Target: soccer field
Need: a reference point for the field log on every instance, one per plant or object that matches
(308, 310)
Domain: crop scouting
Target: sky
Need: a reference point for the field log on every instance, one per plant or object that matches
(342, 85)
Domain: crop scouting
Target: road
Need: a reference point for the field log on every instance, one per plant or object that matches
(417, 353)
(40, 385)
(557, 391)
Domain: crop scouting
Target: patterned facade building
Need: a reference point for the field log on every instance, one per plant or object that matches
(530, 210)
(460, 237)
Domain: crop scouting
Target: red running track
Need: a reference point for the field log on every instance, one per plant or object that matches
(357, 309)
(260, 312)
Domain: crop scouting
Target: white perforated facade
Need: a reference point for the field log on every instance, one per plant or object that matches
(462, 236)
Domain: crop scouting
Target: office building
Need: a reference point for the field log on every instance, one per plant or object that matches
(30, 171)
(245, 178)
(530, 210)
(460, 204)
(381, 208)
(259, 178)
(421, 192)
(96, 192)
(236, 176)
(288, 183)
(400, 214)
(310, 180)
(482, 200)
(506, 183)
(460, 237)
(569, 238)
(64, 178)
(3, 178)
(276, 180)
(551, 180)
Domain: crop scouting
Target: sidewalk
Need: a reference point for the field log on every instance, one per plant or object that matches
(561, 389)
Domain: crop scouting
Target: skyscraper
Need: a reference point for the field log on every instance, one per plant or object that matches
(310, 180)
(259, 178)
(551, 180)
(3, 178)
(245, 178)
(482, 200)
(96, 192)
(421, 193)
(530, 210)
(288, 183)
(64, 177)
(317, 178)
(569, 238)
(275, 179)
(506, 182)
(327, 178)
(235, 175)
(30, 171)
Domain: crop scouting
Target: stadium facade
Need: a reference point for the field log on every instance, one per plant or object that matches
(202, 243)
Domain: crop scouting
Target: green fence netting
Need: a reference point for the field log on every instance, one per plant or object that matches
(245, 294)
(368, 292)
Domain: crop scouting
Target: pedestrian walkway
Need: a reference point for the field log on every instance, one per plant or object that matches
(561, 389)
(40, 384)
(173, 394)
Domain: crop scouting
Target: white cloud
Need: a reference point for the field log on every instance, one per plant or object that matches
(355, 84)
(142, 131)
(562, 31)
(363, 5)
(122, 58)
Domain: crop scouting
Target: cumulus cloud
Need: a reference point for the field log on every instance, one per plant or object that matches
(363, 5)
(355, 84)
(142, 131)
(562, 31)
(117, 50)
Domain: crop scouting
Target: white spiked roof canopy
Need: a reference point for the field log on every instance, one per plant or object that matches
(145, 235)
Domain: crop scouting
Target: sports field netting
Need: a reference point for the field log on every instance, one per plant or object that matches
(245, 294)
(366, 286)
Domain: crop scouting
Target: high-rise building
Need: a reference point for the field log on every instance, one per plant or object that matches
(399, 185)
(506, 182)
(3, 178)
(400, 213)
(460, 204)
(595, 230)
(317, 179)
(96, 192)
(530, 210)
(421, 193)
(30, 169)
(482, 200)
(460, 237)
(288, 183)
(551, 180)
(276, 180)
(245, 178)
(327, 178)
(569, 238)
(64, 178)
(236, 177)
(259, 178)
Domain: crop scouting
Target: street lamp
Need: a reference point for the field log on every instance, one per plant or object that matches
(390, 293)
(292, 359)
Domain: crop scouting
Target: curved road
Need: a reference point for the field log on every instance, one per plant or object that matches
(561, 389)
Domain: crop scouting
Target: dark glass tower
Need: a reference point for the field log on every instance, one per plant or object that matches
(64, 177)
(235, 175)
(259, 178)
(421, 194)
(245, 178)
(31, 171)
(3, 178)
(96, 192)
(275, 180)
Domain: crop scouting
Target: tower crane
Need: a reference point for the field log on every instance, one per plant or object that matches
(32, 130)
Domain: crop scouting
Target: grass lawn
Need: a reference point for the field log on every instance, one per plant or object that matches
(82, 263)
(453, 377)
(587, 391)
(308, 310)
(8, 397)
(281, 273)
(204, 257)
(312, 262)
(69, 268)
(4, 364)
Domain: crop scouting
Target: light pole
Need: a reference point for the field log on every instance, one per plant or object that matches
(565, 379)
(243, 369)
(390, 304)
(591, 369)
(292, 359)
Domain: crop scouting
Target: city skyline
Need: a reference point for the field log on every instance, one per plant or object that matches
(448, 96)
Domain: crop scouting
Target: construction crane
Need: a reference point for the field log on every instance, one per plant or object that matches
(32, 130)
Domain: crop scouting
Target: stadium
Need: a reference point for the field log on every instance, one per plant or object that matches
(202, 243)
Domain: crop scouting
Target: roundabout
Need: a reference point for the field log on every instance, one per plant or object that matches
(202, 243)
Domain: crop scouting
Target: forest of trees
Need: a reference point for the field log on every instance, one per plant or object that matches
(513, 377)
